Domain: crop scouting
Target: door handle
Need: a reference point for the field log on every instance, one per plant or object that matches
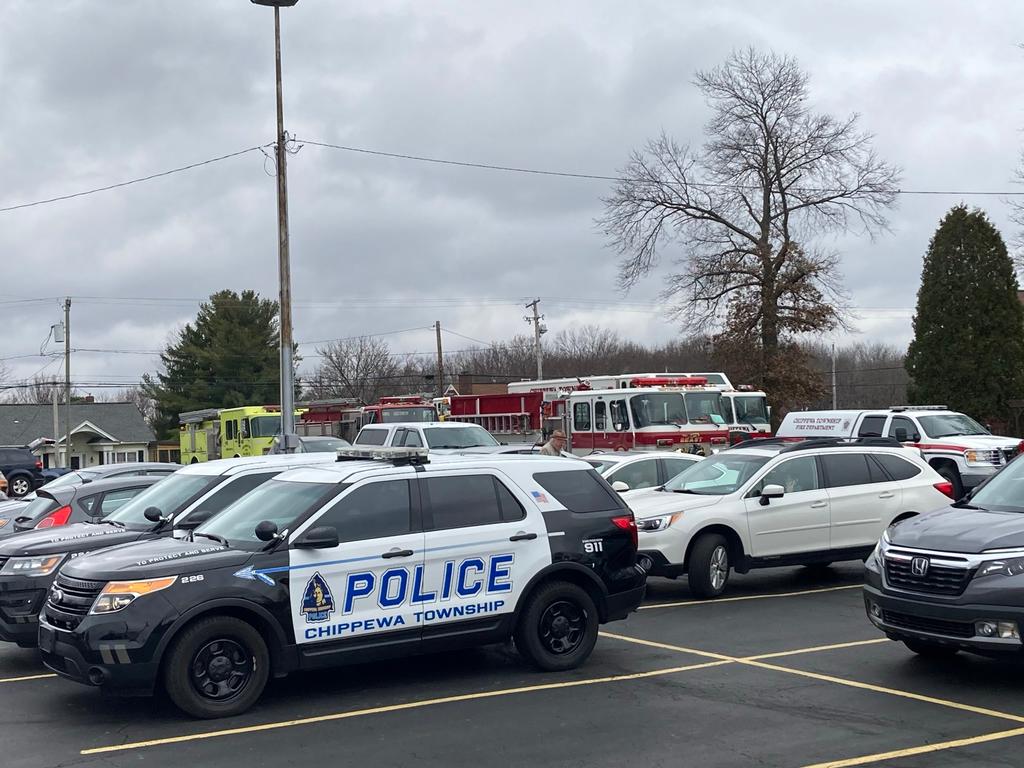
(397, 553)
(522, 536)
(819, 505)
(886, 495)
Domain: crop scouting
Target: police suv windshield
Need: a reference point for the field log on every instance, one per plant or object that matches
(278, 501)
(717, 475)
(170, 496)
(951, 424)
(470, 436)
(1004, 492)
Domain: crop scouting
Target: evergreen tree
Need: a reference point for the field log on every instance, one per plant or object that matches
(968, 347)
(228, 357)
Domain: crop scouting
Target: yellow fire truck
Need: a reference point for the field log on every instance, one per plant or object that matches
(224, 433)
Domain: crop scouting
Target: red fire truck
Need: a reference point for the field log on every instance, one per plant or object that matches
(649, 414)
(344, 417)
(745, 409)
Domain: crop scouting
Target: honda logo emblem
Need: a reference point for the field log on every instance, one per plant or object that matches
(919, 566)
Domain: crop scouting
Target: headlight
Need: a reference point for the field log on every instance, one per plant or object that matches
(1009, 567)
(657, 523)
(982, 457)
(32, 566)
(118, 595)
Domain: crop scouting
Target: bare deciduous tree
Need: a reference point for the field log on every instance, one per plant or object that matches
(748, 206)
(362, 368)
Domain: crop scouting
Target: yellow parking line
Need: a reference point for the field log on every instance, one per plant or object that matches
(749, 597)
(753, 662)
(835, 647)
(26, 677)
(394, 708)
(922, 750)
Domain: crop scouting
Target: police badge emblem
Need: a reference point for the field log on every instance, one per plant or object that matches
(317, 600)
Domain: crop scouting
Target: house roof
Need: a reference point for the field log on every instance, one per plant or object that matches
(20, 424)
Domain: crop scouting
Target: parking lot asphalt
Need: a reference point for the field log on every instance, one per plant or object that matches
(783, 670)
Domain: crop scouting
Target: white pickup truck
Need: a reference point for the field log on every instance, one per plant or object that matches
(955, 445)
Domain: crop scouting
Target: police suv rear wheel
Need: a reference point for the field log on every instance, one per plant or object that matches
(557, 628)
(217, 667)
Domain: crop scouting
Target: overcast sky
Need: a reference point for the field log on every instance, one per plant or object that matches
(100, 91)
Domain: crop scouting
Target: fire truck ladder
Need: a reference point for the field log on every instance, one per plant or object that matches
(499, 423)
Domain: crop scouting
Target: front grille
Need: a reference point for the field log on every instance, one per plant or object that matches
(939, 580)
(1009, 454)
(70, 599)
(933, 626)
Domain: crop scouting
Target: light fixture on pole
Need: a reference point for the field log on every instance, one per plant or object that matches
(284, 262)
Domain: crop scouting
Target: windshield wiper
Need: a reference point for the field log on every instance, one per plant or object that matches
(214, 536)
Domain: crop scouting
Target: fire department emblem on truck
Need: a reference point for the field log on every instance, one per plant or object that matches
(317, 600)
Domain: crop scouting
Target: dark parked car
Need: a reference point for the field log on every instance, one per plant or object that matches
(78, 503)
(23, 470)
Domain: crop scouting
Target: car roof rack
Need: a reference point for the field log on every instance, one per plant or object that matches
(398, 456)
(843, 442)
(901, 408)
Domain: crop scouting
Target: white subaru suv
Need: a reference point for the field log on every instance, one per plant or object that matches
(772, 502)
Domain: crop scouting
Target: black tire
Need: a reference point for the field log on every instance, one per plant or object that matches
(710, 551)
(557, 627)
(209, 639)
(931, 650)
(19, 485)
(951, 475)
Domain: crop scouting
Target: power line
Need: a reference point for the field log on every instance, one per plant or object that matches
(129, 182)
(602, 177)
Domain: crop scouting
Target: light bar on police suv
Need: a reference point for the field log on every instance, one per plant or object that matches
(395, 455)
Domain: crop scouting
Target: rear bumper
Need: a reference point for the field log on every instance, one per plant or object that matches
(621, 604)
(903, 618)
(110, 666)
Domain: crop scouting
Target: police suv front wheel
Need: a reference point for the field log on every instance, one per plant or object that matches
(557, 628)
(217, 667)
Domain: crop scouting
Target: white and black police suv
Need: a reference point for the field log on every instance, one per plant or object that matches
(378, 555)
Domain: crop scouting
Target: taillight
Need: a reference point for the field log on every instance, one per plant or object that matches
(58, 517)
(39, 464)
(627, 523)
(945, 487)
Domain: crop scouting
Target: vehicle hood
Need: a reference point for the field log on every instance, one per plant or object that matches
(78, 537)
(154, 558)
(974, 442)
(954, 529)
(652, 503)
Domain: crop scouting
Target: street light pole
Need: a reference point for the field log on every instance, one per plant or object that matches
(284, 258)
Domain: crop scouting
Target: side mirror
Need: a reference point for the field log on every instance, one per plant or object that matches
(770, 492)
(266, 530)
(196, 519)
(322, 537)
(154, 515)
(620, 486)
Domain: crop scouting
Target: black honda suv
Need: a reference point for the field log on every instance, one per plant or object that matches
(953, 579)
(22, 468)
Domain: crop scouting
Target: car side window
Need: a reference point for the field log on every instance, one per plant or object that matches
(638, 474)
(897, 468)
(845, 469)
(619, 415)
(462, 500)
(89, 503)
(371, 437)
(903, 429)
(581, 417)
(412, 439)
(114, 500)
(674, 466)
(371, 511)
(871, 426)
(795, 475)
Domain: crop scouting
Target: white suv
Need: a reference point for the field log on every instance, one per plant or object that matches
(770, 502)
(435, 436)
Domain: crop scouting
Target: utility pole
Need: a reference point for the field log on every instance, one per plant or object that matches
(440, 360)
(538, 329)
(55, 393)
(284, 263)
(67, 383)
(834, 397)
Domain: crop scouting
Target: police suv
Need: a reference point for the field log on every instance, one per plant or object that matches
(365, 559)
(29, 560)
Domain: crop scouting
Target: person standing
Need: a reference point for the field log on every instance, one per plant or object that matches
(555, 445)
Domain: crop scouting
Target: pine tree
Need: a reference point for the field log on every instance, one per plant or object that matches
(968, 347)
(228, 357)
